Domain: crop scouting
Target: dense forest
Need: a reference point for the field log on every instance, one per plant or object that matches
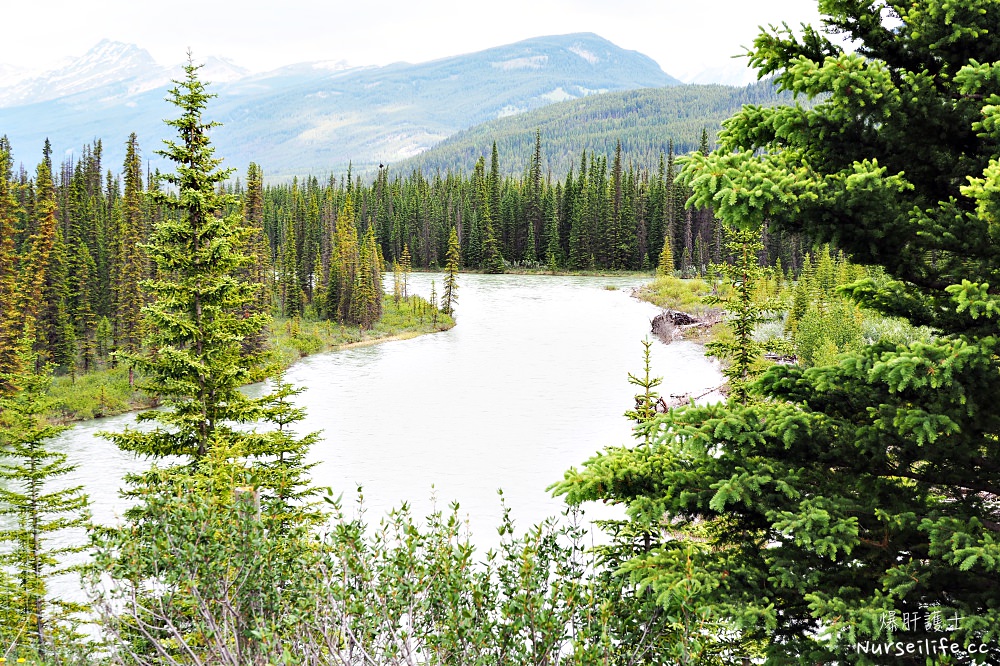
(83, 229)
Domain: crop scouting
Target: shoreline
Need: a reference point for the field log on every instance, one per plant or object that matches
(106, 392)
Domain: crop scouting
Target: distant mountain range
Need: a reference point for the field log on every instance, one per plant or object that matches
(312, 117)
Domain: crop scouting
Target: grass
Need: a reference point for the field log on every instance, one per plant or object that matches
(293, 339)
(96, 394)
(669, 292)
(107, 392)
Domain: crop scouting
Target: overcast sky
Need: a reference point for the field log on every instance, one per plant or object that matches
(683, 36)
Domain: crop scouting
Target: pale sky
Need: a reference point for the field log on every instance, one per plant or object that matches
(681, 35)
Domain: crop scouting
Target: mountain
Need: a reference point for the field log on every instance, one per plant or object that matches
(113, 65)
(644, 121)
(112, 70)
(317, 117)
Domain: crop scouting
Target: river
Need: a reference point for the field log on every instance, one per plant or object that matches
(531, 381)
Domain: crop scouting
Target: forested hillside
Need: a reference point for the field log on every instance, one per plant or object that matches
(645, 121)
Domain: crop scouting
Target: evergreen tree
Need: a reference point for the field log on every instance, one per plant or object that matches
(38, 513)
(216, 539)
(534, 205)
(852, 493)
(553, 251)
(745, 313)
(82, 283)
(291, 289)
(433, 302)
(344, 264)
(366, 296)
(492, 259)
(196, 324)
(10, 318)
(259, 271)
(54, 335)
(406, 265)
(666, 263)
(130, 259)
(450, 295)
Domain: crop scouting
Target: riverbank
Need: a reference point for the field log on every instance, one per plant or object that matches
(544, 270)
(107, 392)
(687, 296)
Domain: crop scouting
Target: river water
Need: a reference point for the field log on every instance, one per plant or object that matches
(531, 381)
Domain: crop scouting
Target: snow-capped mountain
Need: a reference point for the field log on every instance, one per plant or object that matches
(114, 68)
(317, 116)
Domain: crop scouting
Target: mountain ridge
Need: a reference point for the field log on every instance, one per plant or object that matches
(320, 116)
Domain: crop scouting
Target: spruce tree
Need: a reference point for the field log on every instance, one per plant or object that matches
(217, 534)
(290, 287)
(492, 258)
(259, 271)
(130, 261)
(450, 295)
(666, 263)
(344, 264)
(10, 319)
(406, 265)
(366, 296)
(196, 323)
(432, 301)
(39, 510)
(857, 495)
(43, 289)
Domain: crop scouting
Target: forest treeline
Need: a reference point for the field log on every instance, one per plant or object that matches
(72, 237)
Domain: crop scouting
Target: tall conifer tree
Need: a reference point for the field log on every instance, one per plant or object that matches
(196, 324)
(10, 319)
(450, 295)
(38, 509)
(130, 258)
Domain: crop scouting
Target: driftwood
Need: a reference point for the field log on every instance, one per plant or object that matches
(666, 324)
(781, 359)
(684, 398)
(665, 403)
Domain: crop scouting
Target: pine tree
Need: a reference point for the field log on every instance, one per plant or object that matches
(450, 295)
(344, 264)
(534, 209)
(397, 283)
(45, 300)
(218, 534)
(290, 287)
(492, 259)
(366, 296)
(742, 354)
(433, 302)
(553, 251)
(82, 284)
